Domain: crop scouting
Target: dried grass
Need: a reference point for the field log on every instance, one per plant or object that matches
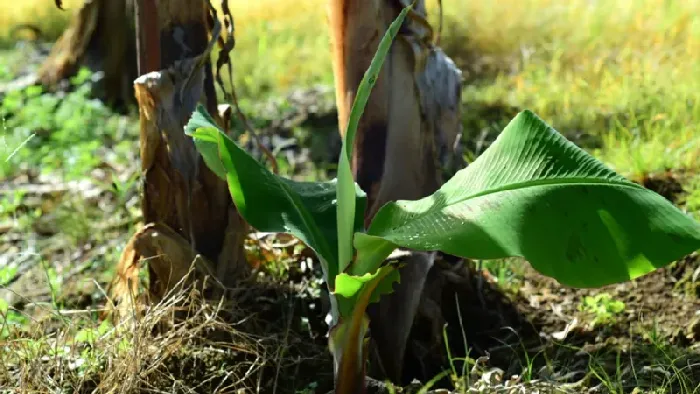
(214, 349)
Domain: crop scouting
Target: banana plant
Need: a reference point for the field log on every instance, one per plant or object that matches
(531, 194)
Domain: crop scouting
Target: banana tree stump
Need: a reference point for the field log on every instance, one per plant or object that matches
(190, 219)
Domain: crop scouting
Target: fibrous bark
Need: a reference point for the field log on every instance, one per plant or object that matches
(187, 209)
(406, 137)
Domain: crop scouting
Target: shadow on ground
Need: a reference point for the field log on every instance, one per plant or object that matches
(523, 331)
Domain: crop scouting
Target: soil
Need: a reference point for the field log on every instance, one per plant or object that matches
(667, 184)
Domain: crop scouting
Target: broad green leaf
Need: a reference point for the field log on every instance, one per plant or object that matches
(536, 195)
(271, 203)
(346, 199)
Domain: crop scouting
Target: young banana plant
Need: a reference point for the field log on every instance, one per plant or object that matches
(531, 194)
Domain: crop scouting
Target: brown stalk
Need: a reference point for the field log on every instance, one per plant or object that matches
(147, 36)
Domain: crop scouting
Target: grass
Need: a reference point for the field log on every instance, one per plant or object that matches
(589, 66)
(73, 350)
(622, 78)
(70, 134)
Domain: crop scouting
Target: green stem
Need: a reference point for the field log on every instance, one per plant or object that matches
(350, 378)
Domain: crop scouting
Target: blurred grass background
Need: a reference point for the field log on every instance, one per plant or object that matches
(624, 71)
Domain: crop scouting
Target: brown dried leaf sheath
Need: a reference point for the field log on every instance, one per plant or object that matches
(187, 208)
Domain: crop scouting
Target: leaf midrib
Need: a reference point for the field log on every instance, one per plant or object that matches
(549, 182)
(321, 241)
(528, 184)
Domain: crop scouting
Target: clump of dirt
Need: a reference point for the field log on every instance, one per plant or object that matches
(667, 184)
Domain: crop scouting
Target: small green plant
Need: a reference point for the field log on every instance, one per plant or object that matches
(603, 307)
(65, 133)
(7, 274)
(531, 194)
(10, 319)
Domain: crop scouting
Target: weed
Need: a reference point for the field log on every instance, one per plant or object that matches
(72, 132)
(603, 307)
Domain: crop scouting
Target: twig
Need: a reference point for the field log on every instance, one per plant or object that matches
(224, 58)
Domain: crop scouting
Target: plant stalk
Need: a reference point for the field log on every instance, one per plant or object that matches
(350, 377)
